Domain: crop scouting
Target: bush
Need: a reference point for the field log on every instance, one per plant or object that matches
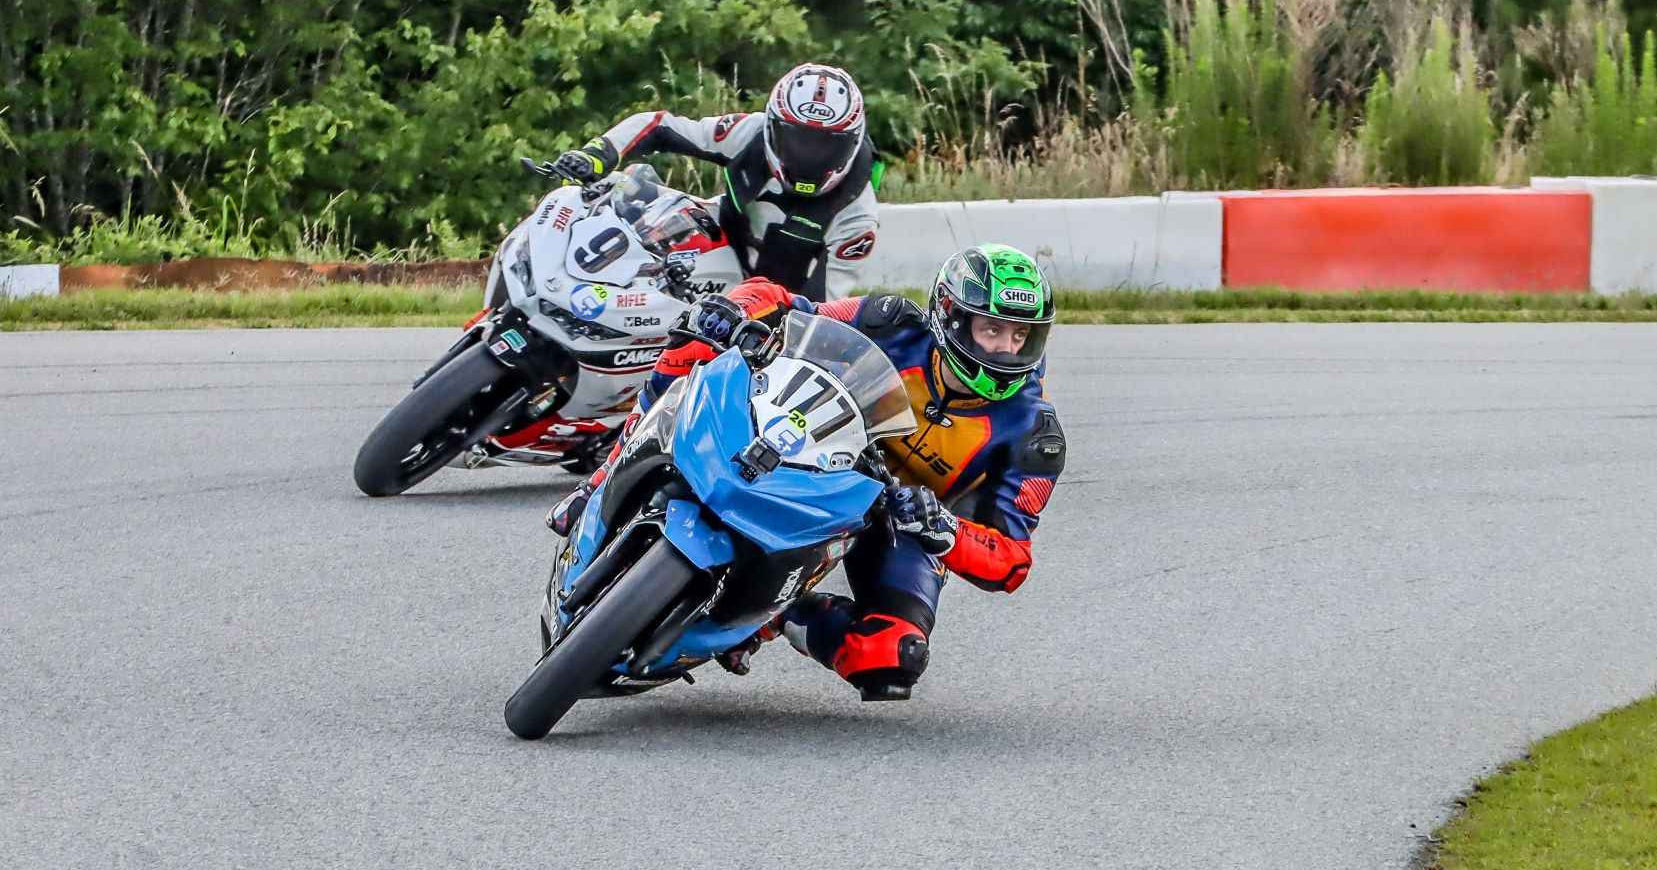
(1429, 122)
(1237, 112)
(1607, 124)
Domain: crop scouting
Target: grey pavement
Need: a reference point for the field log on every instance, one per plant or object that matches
(1299, 587)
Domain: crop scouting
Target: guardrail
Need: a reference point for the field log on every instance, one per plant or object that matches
(1560, 235)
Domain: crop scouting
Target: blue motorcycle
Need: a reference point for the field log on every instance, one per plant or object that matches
(741, 488)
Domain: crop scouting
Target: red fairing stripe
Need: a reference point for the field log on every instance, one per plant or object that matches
(843, 310)
(654, 123)
(1033, 495)
(987, 558)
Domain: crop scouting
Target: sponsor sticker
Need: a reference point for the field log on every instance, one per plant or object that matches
(499, 347)
(803, 187)
(512, 337)
(587, 300)
(562, 220)
(636, 357)
(811, 110)
(857, 248)
(632, 300)
(640, 322)
(724, 126)
(786, 433)
(1019, 297)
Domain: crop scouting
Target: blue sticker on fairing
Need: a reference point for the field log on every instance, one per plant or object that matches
(785, 509)
(703, 544)
(587, 300)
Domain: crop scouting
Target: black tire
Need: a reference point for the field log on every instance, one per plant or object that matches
(596, 639)
(431, 425)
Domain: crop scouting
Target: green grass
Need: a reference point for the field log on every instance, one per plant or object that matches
(340, 305)
(1584, 798)
(363, 305)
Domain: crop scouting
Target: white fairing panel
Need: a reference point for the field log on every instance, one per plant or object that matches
(807, 415)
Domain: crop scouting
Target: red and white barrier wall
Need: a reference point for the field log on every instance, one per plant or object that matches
(1562, 235)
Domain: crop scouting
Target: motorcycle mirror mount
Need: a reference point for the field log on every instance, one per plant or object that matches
(759, 457)
(757, 343)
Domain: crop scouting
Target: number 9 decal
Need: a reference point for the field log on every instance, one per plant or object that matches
(605, 247)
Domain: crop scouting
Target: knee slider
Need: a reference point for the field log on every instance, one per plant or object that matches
(882, 650)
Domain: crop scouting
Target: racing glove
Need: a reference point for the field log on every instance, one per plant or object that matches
(579, 167)
(915, 511)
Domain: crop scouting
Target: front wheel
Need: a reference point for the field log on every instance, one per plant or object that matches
(431, 425)
(596, 639)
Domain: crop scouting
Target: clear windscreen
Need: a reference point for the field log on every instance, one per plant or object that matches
(860, 366)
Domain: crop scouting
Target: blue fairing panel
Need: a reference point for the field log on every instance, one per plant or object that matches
(703, 544)
(786, 509)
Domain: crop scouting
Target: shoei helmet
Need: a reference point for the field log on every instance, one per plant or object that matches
(814, 126)
(1002, 284)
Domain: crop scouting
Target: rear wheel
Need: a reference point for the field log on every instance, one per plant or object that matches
(432, 424)
(596, 639)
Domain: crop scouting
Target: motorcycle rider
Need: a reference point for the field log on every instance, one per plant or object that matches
(799, 200)
(972, 479)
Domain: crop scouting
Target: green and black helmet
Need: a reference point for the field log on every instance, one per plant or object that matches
(1000, 283)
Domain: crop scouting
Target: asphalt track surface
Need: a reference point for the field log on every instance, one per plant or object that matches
(1298, 588)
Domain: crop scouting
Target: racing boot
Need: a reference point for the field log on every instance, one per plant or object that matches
(739, 659)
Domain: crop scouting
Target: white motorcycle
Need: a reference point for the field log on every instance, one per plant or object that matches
(578, 304)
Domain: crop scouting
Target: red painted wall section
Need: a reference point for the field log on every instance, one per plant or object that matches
(1470, 239)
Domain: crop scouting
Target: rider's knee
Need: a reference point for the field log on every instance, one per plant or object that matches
(883, 655)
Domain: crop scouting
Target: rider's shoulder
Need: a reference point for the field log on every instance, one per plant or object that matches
(1037, 439)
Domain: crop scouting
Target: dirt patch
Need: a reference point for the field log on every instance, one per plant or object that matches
(230, 273)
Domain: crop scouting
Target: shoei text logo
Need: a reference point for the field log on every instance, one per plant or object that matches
(1020, 298)
(587, 300)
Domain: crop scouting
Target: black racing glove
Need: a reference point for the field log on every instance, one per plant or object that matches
(915, 511)
(578, 167)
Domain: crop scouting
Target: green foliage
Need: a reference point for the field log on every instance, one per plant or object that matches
(151, 129)
(1606, 124)
(1237, 112)
(1429, 122)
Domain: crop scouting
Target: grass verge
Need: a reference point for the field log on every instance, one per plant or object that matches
(365, 305)
(1583, 798)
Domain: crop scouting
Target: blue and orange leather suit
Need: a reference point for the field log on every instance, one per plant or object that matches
(994, 464)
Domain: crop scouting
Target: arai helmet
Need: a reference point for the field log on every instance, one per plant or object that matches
(814, 127)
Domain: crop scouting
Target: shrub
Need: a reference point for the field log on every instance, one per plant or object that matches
(1429, 122)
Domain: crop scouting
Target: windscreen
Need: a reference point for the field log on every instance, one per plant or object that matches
(861, 367)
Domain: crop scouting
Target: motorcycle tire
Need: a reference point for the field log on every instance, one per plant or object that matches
(430, 426)
(596, 639)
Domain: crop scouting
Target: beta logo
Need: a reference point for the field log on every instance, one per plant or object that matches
(636, 357)
(786, 433)
(640, 322)
(587, 300)
(1019, 297)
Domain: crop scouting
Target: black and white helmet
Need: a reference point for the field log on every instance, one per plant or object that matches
(814, 126)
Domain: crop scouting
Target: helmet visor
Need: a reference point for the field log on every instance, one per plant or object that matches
(810, 155)
(1004, 347)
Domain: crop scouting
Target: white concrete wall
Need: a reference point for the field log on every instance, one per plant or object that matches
(28, 280)
(1624, 254)
(1167, 242)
